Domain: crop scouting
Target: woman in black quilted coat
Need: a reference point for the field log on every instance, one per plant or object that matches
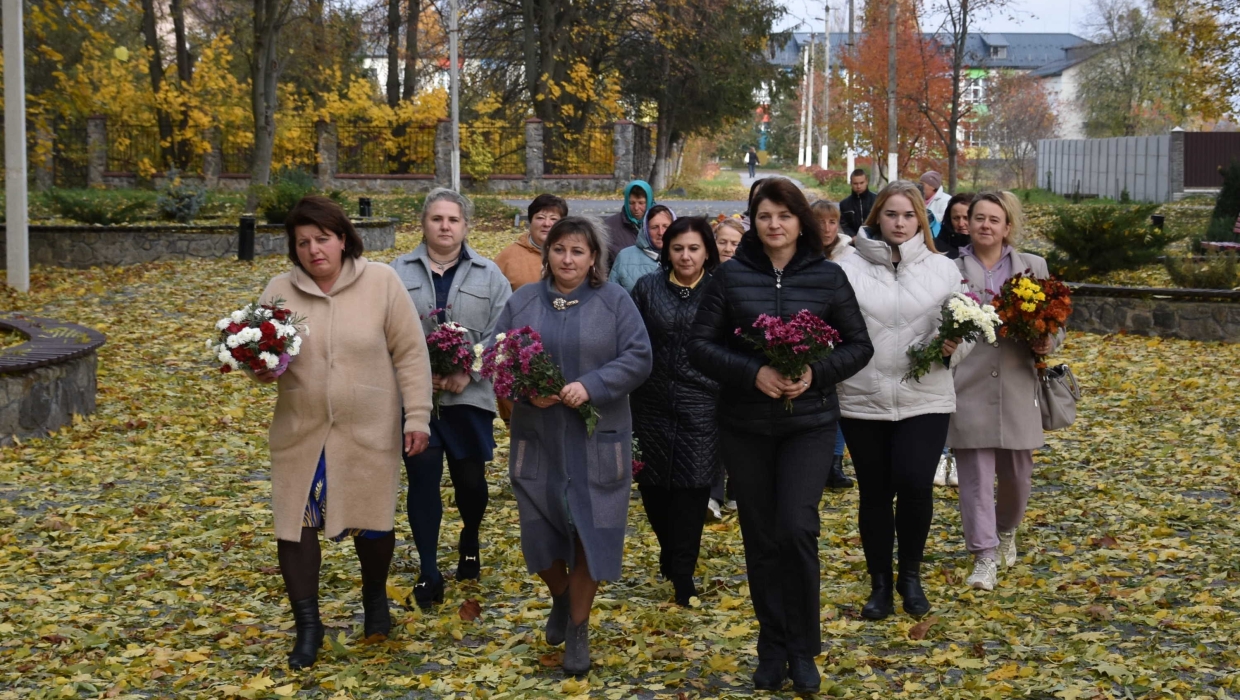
(776, 458)
(674, 411)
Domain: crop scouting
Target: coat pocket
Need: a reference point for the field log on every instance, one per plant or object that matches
(862, 383)
(372, 408)
(607, 457)
(286, 423)
(525, 459)
(472, 308)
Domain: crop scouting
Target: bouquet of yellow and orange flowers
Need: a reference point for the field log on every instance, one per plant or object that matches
(1032, 309)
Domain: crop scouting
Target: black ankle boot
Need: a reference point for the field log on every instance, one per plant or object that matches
(835, 477)
(804, 675)
(881, 600)
(427, 592)
(770, 675)
(684, 588)
(309, 634)
(378, 621)
(908, 585)
(469, 566)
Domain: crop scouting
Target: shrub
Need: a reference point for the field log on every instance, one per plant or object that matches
(288, 186)
(1100, 238)
(1212, 271)
(1222, 229)
(103, 207)
(1227, 206)
(824, 176)
(180, 200)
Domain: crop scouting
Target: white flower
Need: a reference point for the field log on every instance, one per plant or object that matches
(500, 337)
(225, 357)
(294, 347)
(285, 331)
(210, 344)
(238, 316)
(222, 323)
(262, 313)
(268, 359)
(234, 340)
(478, 350)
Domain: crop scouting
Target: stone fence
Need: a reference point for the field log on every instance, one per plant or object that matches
(1193, 314)
(47, 380)
(81, 246)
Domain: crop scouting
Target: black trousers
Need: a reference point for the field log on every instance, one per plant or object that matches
(895, 462)
(677, 516)
(778, 483)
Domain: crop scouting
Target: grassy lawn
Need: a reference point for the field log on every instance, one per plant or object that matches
(137, 558)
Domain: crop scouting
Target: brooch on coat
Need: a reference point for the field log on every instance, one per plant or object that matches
(560, 303)
(684, 292)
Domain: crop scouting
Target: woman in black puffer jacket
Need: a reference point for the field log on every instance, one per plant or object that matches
(674, 411)
(776, 459)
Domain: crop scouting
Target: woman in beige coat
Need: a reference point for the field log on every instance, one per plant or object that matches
(997, 424)
(337, 425)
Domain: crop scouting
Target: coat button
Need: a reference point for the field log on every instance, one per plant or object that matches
(996, 343)
(994, 373)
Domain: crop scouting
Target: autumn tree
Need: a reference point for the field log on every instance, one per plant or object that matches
(923, 80)
(1018, 114)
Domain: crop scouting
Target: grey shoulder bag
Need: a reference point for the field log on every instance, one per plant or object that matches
(1058, 393)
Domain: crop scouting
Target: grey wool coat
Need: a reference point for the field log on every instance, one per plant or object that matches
(567, 482)
(477, 295)
(997, 384)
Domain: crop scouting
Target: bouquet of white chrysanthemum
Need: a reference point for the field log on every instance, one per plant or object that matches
(964, 317)
(258, 337)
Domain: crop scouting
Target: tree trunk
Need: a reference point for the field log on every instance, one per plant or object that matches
(663, 140)
(156, 70)
(185, 75)
(393, 52)
(411, 50)
(269, 18)
(544, 105)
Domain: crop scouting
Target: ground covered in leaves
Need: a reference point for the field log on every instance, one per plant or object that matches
(137, 556)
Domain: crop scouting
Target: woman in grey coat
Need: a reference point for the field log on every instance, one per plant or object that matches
(449, 281)
(997, 424)
(572, 489)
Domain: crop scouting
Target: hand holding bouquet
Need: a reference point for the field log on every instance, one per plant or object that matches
(1033, 310)
(450, 352)
(259, 338)
(964, 317)
(792, 346)
(521, 368)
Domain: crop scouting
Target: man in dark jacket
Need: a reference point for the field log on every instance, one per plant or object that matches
(856, 207)
(624, 225)
(751, 160)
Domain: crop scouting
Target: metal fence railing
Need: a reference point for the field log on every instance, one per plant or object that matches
(382, 150)
(503, 147)
(69, 157)
(587, 152)
(134, 148)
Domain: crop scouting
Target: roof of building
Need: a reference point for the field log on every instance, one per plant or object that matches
(1024, 50)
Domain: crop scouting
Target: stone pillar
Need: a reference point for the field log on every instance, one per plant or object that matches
(96, 150)
(624, 132)
(212, 160)
(443, 153)
(535, 166)
(326, 152)
(1175, 166)
(45, 157)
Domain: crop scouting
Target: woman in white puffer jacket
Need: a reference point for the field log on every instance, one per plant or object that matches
(896, 429)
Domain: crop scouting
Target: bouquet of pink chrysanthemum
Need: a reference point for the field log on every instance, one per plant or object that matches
(450, 352)
(258, 337)
(793, 345)
(521, 368)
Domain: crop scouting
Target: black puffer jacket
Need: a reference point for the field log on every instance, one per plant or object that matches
(744, 288)
(674, 411)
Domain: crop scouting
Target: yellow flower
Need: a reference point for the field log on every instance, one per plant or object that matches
(1027, 306)
(1039, 297)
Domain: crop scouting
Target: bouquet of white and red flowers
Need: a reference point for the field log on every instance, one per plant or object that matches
(450, 351)
(258, 337)
(793, 345)
(964, 317)
(521, 368)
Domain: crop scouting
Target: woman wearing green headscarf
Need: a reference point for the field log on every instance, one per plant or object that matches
(624, 225)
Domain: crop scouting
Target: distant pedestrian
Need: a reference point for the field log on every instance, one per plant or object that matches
(751, 160)
(624, 226)
(855, 208)
(936, 199)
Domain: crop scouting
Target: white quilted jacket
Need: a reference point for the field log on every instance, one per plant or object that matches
(901, 306)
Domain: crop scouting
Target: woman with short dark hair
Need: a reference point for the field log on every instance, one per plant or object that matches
(775, 456)
(335, 439)
(572, 487)
(521, 261)
(674, 410)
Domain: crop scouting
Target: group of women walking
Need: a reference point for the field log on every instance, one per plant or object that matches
(658, 353)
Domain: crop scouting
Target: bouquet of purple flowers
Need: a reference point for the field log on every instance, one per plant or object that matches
(793, 345)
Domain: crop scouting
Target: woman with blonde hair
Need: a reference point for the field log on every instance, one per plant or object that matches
(895, 428)
(728, 237)
(997, 424)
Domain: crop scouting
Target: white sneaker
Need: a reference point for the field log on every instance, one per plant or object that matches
(730, 506)
(713, 507)
(1007, 548)
(953, 479)
(940, 474)
(985, 574)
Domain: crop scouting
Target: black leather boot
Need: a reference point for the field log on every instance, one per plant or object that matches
(685, 590)
(309, 633)
(881, 601)
(771, 674)
(428, 592)
(908, 585)
(469, 567)
(804, 675)
(836, 478)
(378, 621)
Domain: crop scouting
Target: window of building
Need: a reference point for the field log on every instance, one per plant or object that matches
(998, 52)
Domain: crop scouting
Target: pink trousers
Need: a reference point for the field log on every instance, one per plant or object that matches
(984, 516)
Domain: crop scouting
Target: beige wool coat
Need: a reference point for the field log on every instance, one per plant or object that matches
(997, 384)
(363, 358)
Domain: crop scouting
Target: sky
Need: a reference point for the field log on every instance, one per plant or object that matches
(1020, 16)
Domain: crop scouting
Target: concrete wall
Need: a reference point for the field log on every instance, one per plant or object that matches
(1151, 168)
(38, 401)
(1168, 313)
